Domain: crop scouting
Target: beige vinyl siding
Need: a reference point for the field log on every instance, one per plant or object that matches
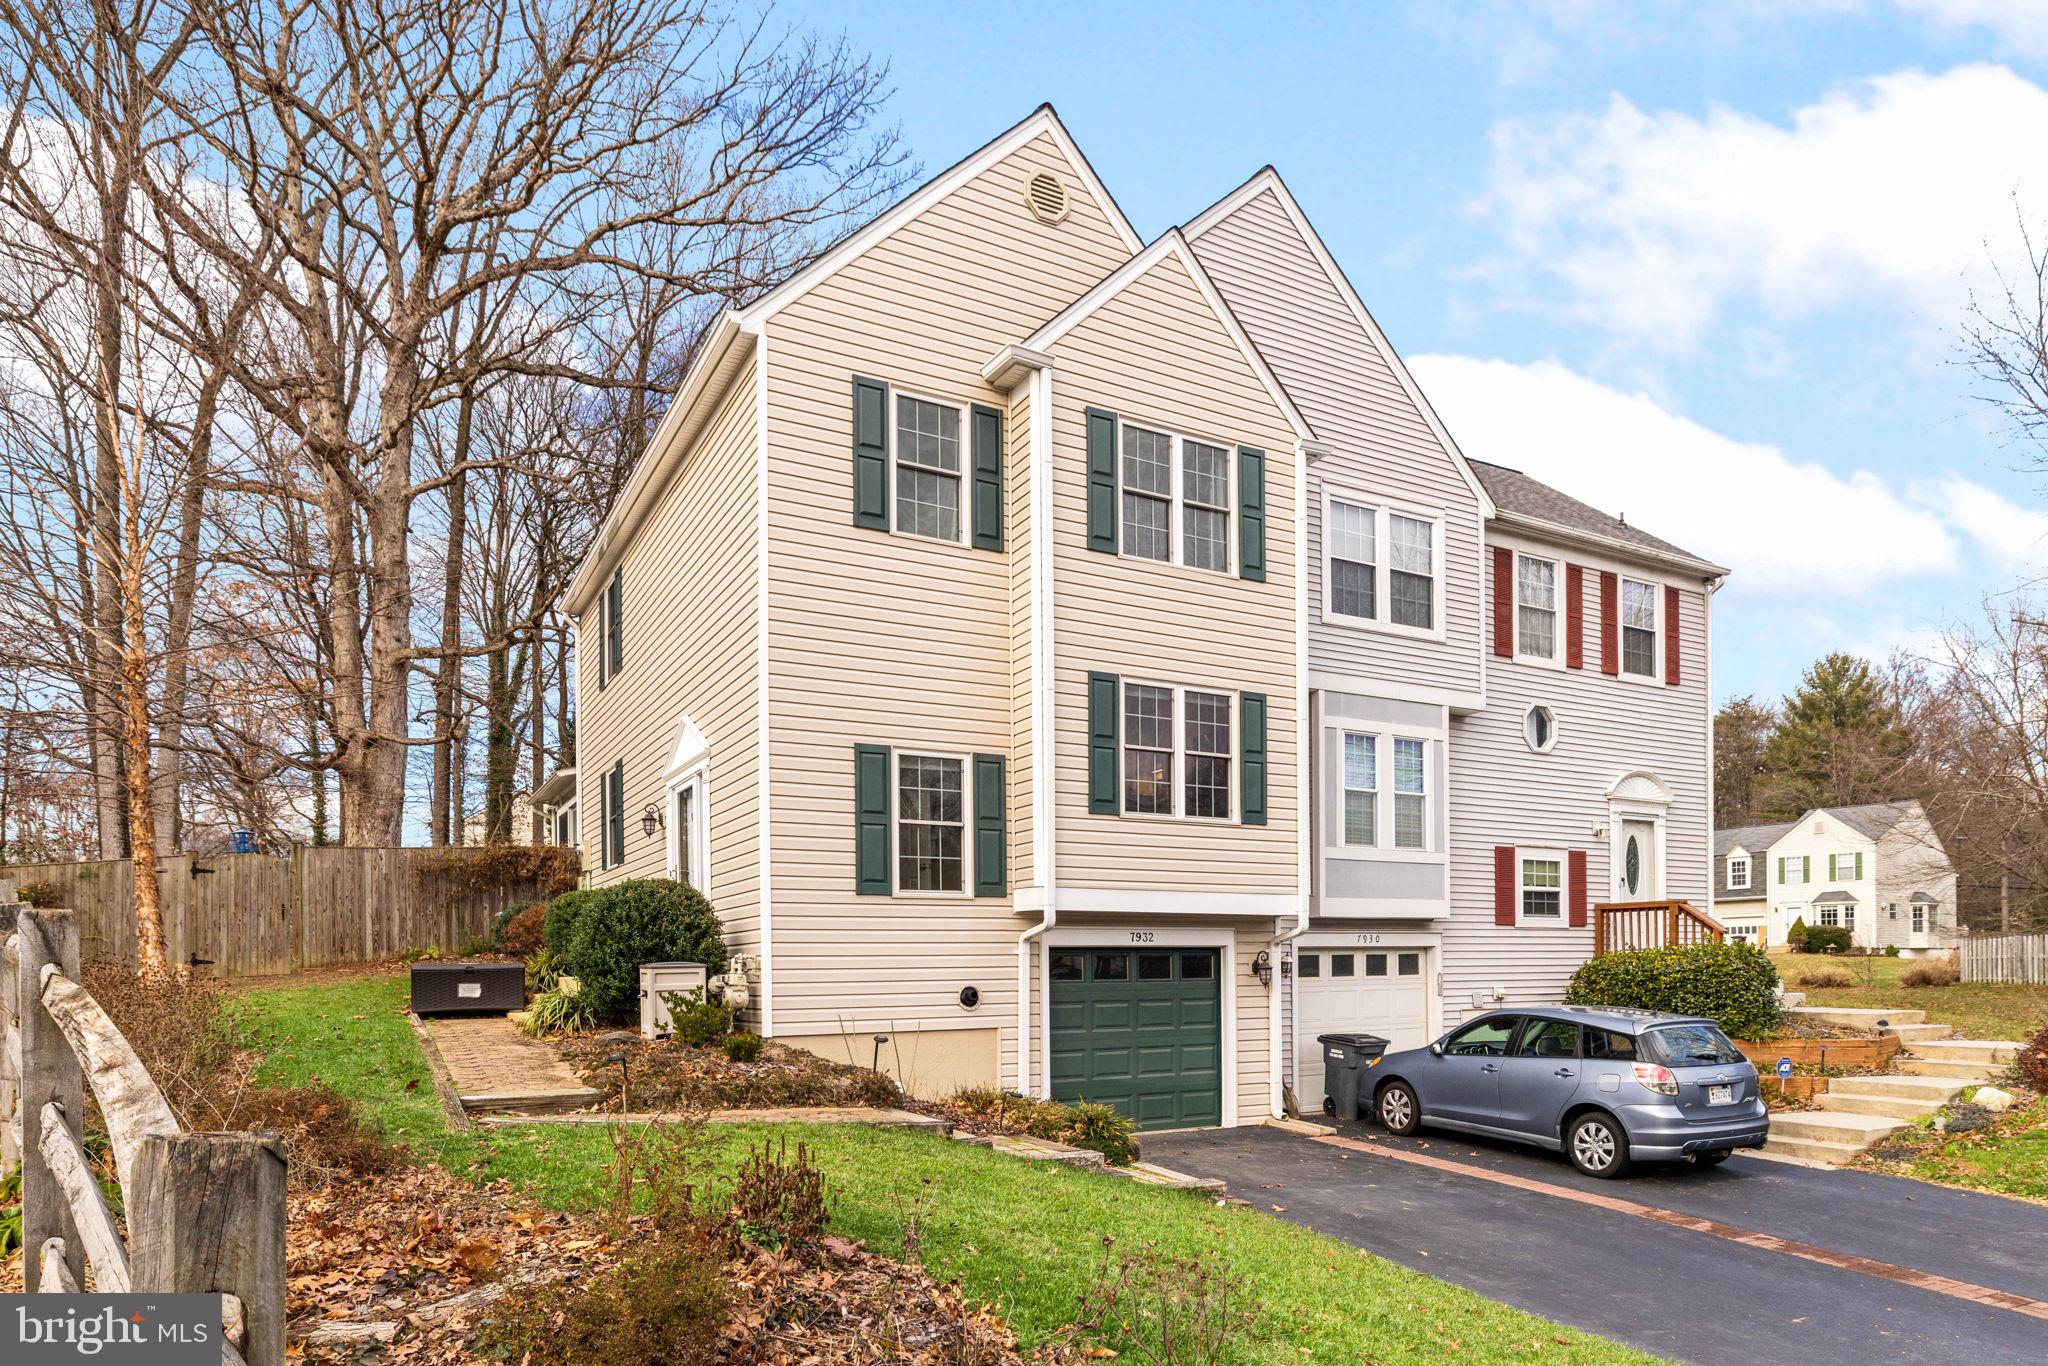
(1504, 793)
(689, 651)
(1023, 561)
(1382, 444)
(1254, 1028)
(888, 639)
(1158, 356)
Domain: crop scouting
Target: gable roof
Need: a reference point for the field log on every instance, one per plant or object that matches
(1532, 503)
(1266, 179)
(1875, 819)
(1042, 120)
(1756, 840)
(1170, 243)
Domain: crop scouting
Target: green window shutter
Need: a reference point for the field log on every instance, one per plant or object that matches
(1251, 745)
(1781, 870)
(1102, 518)
(986, 430)
(604, 821)
(602, 646)
(1859, 865)
(1251, 513)
(1102, 736)
(618, 830)
(871, 820)
(1831, 868)
(615, 630)
(870, 454)
(991, 830)
(1806, 867)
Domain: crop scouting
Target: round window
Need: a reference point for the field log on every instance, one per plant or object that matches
(1540, 729)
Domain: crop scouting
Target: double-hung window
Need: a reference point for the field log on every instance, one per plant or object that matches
(1919, 920)
(931, 824)
(1381, 564)
(1738, 874)
(1361, 790)
(1176, 500)
(1178, 752)
(1539, 894)
(1411, 795)
(927, 468)
(1639, 628)
(1536, 608)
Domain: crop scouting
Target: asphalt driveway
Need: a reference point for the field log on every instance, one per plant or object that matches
(1751, 1261)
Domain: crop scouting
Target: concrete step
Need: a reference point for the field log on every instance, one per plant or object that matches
(1791, 999)
(1914, 1033)
(1826, 1126)
(1846, 1018)
(1973, 1072)
(1937, 1089)
(1812, 1150)
(1988, 1051)
(1895, 1107)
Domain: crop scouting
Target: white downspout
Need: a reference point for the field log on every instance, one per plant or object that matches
(1279, 1067)
(1042, 699)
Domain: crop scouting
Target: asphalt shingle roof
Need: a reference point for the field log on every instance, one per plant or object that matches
(1754, 838)
(1514, 491)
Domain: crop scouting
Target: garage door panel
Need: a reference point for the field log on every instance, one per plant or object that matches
(1393, 1006)
(1140, 1032)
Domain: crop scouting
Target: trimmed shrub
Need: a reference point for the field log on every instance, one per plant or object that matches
(649, 920)
(520, 936)
(1935, 972)
(1826, 939)
(743, 1047)
(1891, 950)
(1732, 984)
(558, 927)
(1795, 938)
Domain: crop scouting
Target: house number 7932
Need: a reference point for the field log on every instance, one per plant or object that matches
(1141, 936)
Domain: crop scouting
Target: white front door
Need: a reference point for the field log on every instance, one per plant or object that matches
(1635, 863)
(1371, 991)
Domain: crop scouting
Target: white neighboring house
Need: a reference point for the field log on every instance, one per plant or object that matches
(1878, 871)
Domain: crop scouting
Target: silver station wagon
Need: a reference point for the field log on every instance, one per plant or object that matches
(1605, 1086)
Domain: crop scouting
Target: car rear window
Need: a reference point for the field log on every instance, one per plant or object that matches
(1610, 1044)
(1690, 1045)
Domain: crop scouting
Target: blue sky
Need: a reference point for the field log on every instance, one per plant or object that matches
(1705, 265)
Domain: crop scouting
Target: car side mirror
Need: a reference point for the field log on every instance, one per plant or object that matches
(1436, 1050)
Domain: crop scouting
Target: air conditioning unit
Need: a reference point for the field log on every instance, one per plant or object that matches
(656, 979)
(467, 988)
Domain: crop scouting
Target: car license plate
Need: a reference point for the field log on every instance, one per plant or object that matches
(1720, 1095)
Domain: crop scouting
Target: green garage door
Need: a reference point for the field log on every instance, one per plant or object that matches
(1141, 1030)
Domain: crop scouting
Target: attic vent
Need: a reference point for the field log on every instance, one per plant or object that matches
(1047, 197)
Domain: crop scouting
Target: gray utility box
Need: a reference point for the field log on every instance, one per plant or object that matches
(467, 988)
(656, 978)
(1345, 1058)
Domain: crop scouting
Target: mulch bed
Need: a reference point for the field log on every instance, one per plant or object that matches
(671, 1075)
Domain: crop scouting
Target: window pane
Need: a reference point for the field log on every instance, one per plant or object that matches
(927, 434)
(1208, 723)
(1351, 533)
(1148, 749)
(1352, 590)
(1068, 967)
(1361, 762)
(1148, 461)
(1112, 967)
(1208, 750)
(1638, 604)
(1413, 599)
(1145, 527)
(1311, 965)
(1639, 652)
(1411, 584)
(1375, 965)
(1205, 474)
(1361, 782)
(1411, 965)
(928, 504)
(1549, 1039)
(1542, 888)
(1360, 819)
(1536, 583)
(1197, 966)
(1343, 965)
(931, 825)
(928, 858)
(1410, 816)
(1155, 967)
(1408, 765)
(1205, 538)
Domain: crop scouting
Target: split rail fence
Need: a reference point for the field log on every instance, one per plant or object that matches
(2021, 958)
(205, 1212)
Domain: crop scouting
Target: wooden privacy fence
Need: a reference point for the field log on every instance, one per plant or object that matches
(2005, 958)
(1624, 926)
(205, 1212)
(253, 915)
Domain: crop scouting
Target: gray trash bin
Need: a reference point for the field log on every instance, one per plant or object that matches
(1345, 1058)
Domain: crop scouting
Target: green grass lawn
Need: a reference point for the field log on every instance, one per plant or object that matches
(1026, 1237)
(2010, 1158)
(1982, 1010)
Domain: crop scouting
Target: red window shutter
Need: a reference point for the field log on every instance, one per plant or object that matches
(1577, 861)
(1503, 884)
(1671, 636)
(1574, 617)
(1503, 602)
(1610, 623)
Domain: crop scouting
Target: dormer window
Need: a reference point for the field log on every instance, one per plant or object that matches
(1738, 873)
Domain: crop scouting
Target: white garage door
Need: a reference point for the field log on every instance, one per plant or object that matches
(1378, 991)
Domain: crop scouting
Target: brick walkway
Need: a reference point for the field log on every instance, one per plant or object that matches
(495, 1067)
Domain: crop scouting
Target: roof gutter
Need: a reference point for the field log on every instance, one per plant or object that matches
(1594, 541)
(663, 456)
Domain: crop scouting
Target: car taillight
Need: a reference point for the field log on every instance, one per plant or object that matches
(1659, 1079)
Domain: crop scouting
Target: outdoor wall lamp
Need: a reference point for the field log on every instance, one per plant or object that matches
(1262, 968)
(651, 819)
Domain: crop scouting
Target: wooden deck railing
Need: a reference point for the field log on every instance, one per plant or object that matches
(1623, 926)
(205, 1212)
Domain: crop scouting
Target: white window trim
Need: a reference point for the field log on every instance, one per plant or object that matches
(1655, 676)
(965, 474)
(1383, 796)
(1558, 644)
(1382, 568)
(697, 779)
(1344, 788)
(1563, 918)
(1919, 917)
(1547, 710)
(966, 762)
(1176, 501)
(1745, 861)
(1180, 746)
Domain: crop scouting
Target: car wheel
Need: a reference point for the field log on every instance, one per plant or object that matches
(1597, 1145)
(1713, 1159)
(1398, 1110)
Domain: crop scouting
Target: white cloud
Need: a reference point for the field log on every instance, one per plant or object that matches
(1655, 222)
(2012, 537)
(2021, 25)
(1785, 528)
